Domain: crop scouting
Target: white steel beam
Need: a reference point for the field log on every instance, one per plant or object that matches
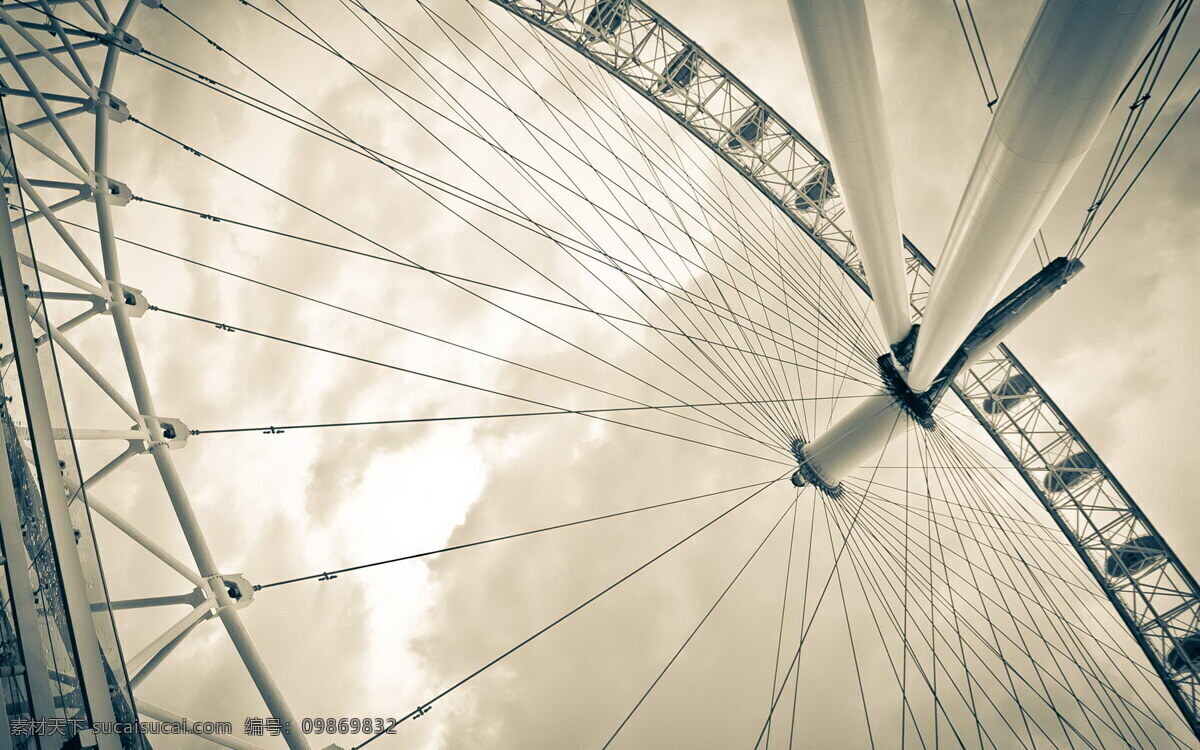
(1075, 60)
(48, 270)
(148, 544)
(840, 62)
(856, 439)
(44, 53)
(159, 449)
(149, 656)
(43, 102)
(84, 364)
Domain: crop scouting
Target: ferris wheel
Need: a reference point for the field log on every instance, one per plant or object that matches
(546, 388)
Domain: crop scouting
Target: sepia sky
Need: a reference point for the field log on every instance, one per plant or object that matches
(1117, 349)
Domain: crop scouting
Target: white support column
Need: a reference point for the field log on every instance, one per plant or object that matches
(100, 474)
(144, 541)
(44, 53)
(51, 271)
(1075, 60)
(857, 439)
(149, 657)
(89, 369)
(840, 62)
(242, 641)
(146, 602)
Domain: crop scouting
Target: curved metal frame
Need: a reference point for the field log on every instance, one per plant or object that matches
(1160, 603)
(216, 594)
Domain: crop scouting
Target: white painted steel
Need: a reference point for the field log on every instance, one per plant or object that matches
(840, 62)
(206, 564)
(72, 581)
(1075, 60)
(858, 438)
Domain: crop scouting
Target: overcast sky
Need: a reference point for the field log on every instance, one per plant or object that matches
(1117, 349)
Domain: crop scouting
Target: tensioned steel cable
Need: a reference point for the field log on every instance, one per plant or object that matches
(417, 175)
(906, 710)
(285, 6)
(325, 303)
(417, 267)
(896, 565)
(880, 504)
(1121, 157)
(1109, 648)
(560, 71)
(537, 634)
(990, 95)
(860, 563)
(699, 625)
(193, 150)
(1033, 583)
(1023, 647)
(896, 536)
(452, 71)
(665, 159)
(820, 598)
(812, 522)
(280, 289)
(246, 4)
(418, 333)
(450, 100)
(1145, 165)
(385, 248)
(787, 581)
(280, 428)
(334, 573)
(377, 363)
(400, 327)
(1071, 562)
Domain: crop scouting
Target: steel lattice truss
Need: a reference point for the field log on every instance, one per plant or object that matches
(1154, 594)
(54, 155)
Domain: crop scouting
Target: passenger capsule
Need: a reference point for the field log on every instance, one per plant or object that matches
(1134, 556)
(605, 18)
(749, 127)
(1009, 393)
(1187, 648)
(1069, 472)
(817, 189)
(680, 71)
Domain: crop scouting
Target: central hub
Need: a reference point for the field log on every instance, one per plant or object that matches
(918, 406)
(859, 437)
(806, 474)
